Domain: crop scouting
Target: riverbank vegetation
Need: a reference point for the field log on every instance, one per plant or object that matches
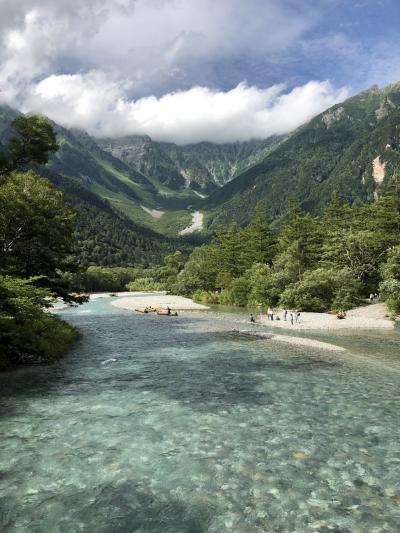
(311, 263)
(330, 262)
(36, 245)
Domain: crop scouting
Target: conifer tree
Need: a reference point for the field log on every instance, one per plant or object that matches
(261, 239)
(300, 241)
(336, 221)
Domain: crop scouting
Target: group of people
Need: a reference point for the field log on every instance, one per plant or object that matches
(373, 297)
(294, 316)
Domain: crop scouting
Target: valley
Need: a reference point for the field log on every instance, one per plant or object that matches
(172, 194)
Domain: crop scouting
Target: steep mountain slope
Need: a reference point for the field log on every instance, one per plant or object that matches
(203, 167)
(139, 152)
(88, 176)
(104, 236)
(127, 189)
(353, 148)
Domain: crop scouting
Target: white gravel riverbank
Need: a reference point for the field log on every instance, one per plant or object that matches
(159, 301)
(367, 317)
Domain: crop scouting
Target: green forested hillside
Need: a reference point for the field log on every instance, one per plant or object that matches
(352, 148)
(106, 237)
(331, 261)
(97, 185)
(336, 151)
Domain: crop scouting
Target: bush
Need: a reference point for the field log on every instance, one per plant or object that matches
(322, 290)
(206, 297)
(237, 294)
(390, 292)
(28, 333)
(390, 286)
(145, 284)
(266, 285)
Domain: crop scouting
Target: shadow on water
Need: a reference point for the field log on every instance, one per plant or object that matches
(206, 371)
(120, 507)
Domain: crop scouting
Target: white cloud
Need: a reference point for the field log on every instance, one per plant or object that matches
(88, 64)
(99, 104)
(158, 44)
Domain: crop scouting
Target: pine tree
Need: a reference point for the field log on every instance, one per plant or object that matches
(336, 221)
(261, 239)
(299, 242)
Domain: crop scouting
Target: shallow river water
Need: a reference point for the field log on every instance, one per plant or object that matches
(195, 429)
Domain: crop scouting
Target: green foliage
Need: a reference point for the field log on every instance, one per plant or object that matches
(322, 290)
(36, 226)
(146, 284)
(105, 237)
(36, 243)
(237, 294)
(33, 140)
(315, 263)
(390, 292)
(102, 279)
(29, 334)
(199, 272)
(390, 285)
(261, 239)
(206, 297)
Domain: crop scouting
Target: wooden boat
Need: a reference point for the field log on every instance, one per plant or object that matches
(164, 312)
(146, 310)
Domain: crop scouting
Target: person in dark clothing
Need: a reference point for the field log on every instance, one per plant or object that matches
(168, 311)
(252, 319)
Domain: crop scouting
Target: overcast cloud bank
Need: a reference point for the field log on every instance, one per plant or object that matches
(100, 106)
(119, 67)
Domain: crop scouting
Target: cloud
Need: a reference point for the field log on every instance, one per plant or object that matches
(99, 104)
(168, 68)
(160, 45)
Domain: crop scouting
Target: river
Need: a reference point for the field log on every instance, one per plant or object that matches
(193, 428)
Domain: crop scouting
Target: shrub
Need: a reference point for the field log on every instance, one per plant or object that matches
(390, 292)
(322, 290)
(145, 284)
(28, 333)
(390, 286)
(237, 294)
(206, 297)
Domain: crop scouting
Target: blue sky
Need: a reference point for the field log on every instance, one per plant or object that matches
(189, 70)
(353, 43)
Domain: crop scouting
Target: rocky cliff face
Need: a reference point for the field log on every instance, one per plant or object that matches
(203, 166)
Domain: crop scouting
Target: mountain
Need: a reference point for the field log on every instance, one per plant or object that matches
(104, 235)
(202, 167)
(141, 154)
(154, 191)
(93, 182)
(128, 190)
(352, 148)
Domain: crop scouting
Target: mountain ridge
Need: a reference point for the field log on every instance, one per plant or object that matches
(352, 148)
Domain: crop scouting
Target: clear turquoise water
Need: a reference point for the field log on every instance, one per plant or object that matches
(196, 429)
